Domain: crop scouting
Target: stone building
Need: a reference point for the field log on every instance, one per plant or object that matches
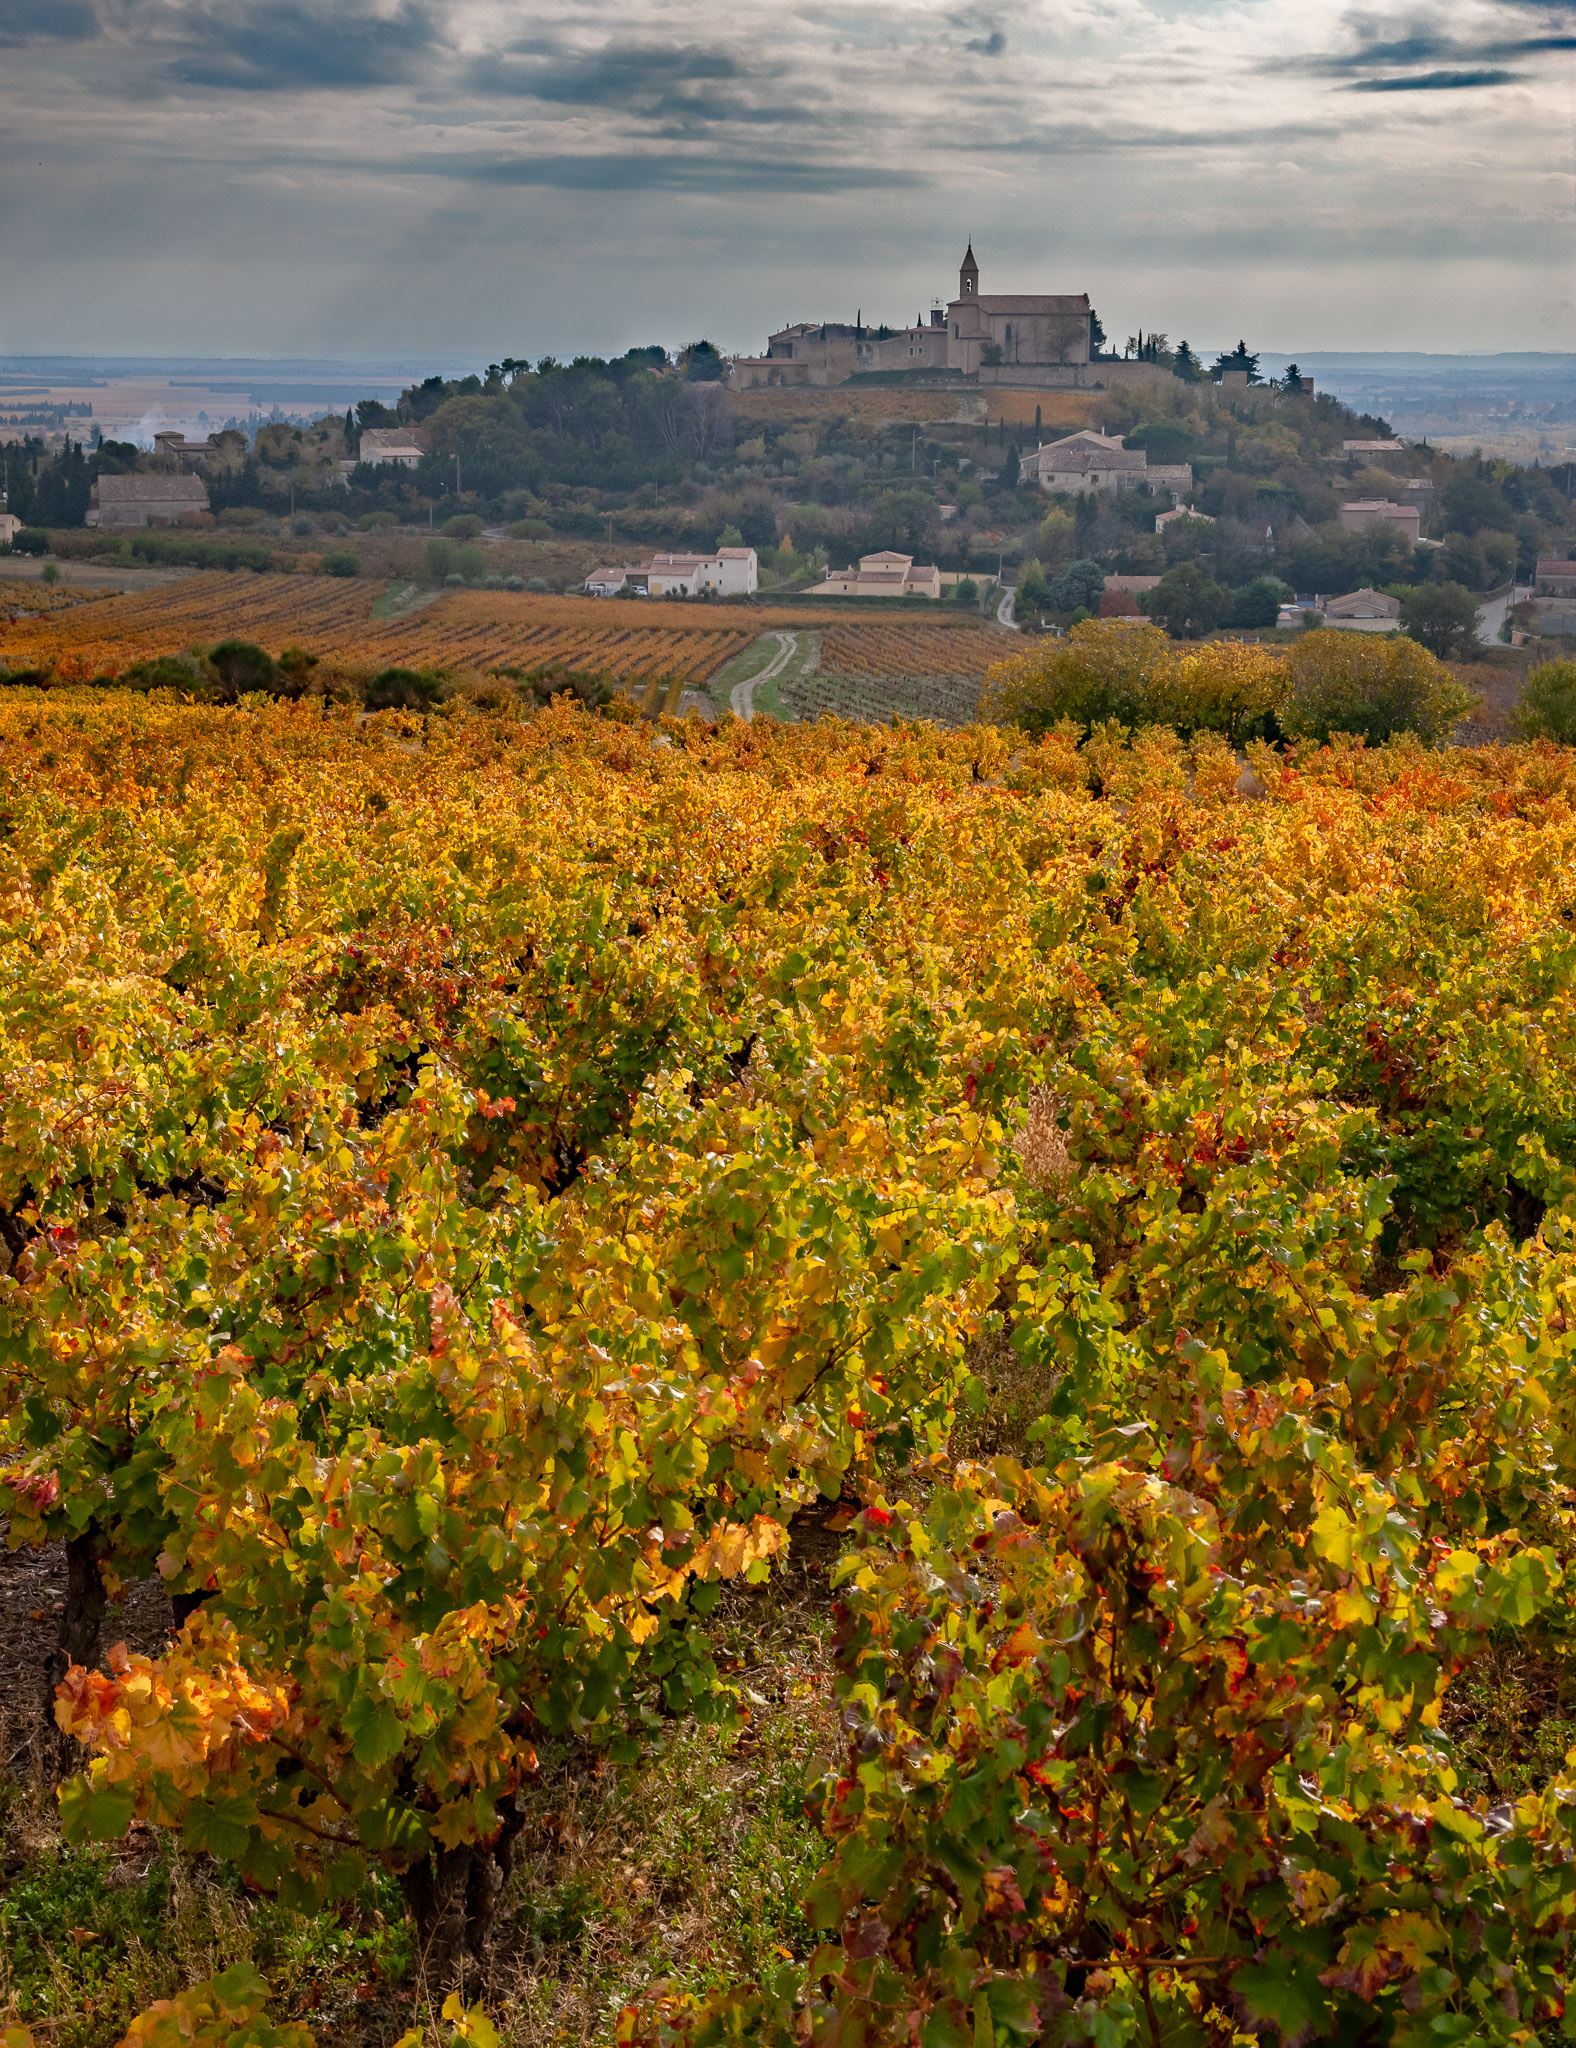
(998, 337)
(1090, 461)
(1362, 513)
(127, 501)
(1553, 578)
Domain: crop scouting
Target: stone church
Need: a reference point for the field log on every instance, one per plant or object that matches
(1007, 337)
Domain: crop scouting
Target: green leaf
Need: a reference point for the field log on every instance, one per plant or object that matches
(223, 1830)
(1292, 2000)
(375, 1729)
(93, 1813)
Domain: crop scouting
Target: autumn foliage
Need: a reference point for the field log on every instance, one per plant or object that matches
(466, 1184)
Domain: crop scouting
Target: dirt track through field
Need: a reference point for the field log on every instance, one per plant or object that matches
(742, 697)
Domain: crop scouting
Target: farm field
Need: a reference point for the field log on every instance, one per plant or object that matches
(461, 629)
(878, 697)
(960, 647)
(781, 1386)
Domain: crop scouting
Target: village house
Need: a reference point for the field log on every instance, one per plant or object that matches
(398, 447)
(1365, 610)
(1553, 578)
(727, 572)
(177, 450)
(1362, 513)
(10, 527)
(884, 574)
(1375, 454)
(1090, 461)
(126, 501)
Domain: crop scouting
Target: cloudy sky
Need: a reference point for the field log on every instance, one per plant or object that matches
(465, 176)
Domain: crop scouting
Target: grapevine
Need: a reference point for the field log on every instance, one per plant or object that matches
(466, 1184)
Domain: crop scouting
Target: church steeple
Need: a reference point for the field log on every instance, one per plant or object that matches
(969, 275)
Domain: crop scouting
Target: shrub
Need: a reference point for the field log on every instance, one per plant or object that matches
(1547, 710)
(471, 563)
(439, 559)
(463, 526)
(966, 593)
(1377, 688)
(376, 522)
(240, 666)
(50, 573)
(530, 529)
(166, 672)
(30, 540)
(403, 689)
(1108, 669)
(293, 672)
(243, 516)
(341, 563)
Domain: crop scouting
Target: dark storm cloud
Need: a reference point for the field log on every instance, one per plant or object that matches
(299, 47)
(60, 21)
(1437, 81)
(637, 171)
(683, 85)
(1455, 60)
(988, 46)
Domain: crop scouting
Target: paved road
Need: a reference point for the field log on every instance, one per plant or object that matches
(1004, 611)
(742, 697)
(1493, 612)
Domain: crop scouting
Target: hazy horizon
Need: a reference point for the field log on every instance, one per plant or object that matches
(315, 177)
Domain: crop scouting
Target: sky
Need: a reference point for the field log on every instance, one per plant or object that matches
(466, 177)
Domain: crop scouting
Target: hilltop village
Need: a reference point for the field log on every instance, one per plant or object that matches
(1000, 444)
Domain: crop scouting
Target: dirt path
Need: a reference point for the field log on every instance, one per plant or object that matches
(742, 699)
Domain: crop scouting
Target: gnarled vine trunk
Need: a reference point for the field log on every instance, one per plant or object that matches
(453, 1898)
(79, 1642)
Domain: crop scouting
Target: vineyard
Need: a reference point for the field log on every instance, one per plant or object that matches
(34, 595)
(482, 1199)
(960, 647)
(470, 630)
(878, 698)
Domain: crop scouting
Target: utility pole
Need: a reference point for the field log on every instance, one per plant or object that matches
(458, 486)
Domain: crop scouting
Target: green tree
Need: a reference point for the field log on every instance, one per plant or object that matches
(1079, 586)
(1033, 591)
(702, 363)
(1443, 617)
(1188, 602)
(1547, 710)
(966, 593)
(1258, 603)
(1240, 358)
(1187, 365)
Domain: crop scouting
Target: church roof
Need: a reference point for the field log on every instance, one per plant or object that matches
(1057, 303)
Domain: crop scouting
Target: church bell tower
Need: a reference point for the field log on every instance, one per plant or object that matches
(969, 275)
